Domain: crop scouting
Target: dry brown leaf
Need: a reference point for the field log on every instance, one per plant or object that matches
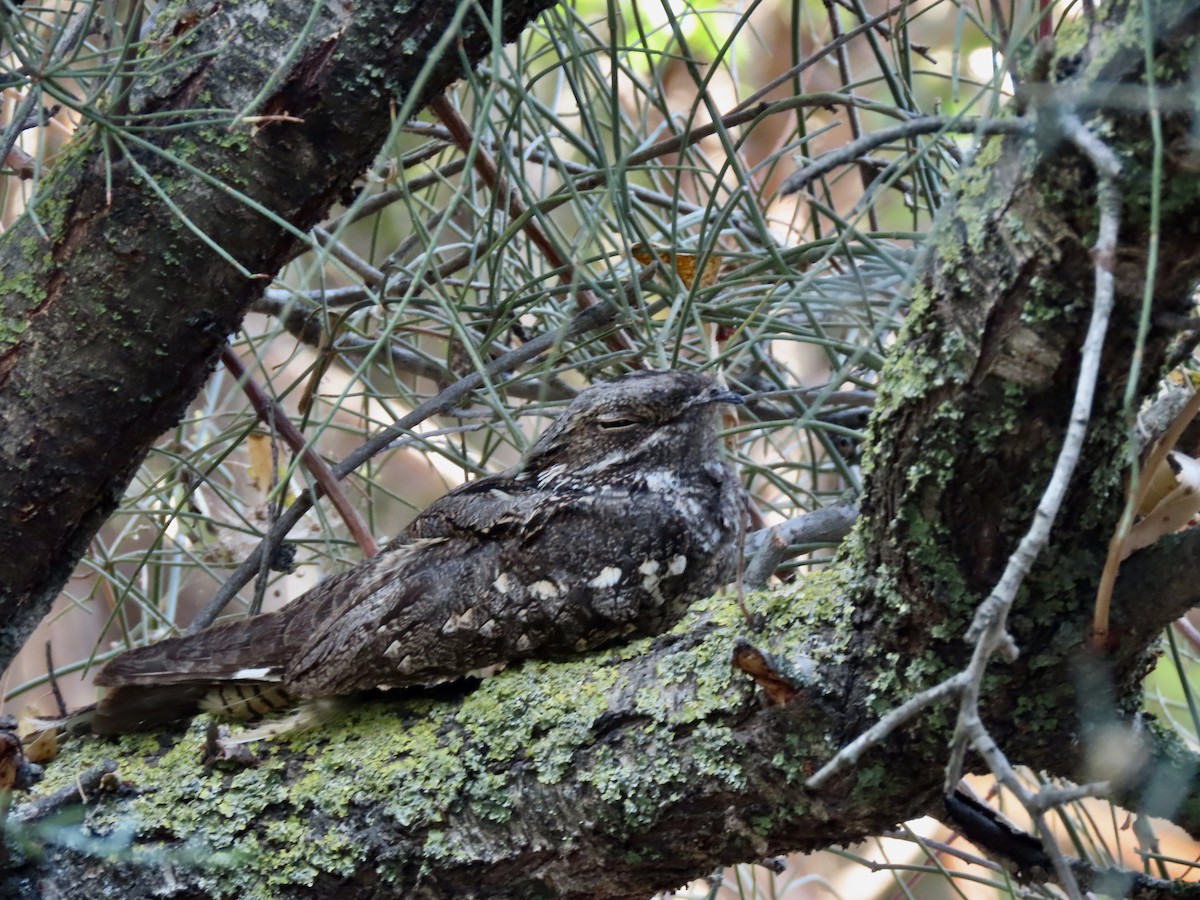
(39, 737)
(778, 687)
(43, 748)
(16, 771)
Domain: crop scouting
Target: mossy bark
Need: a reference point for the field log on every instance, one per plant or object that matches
(634, 770)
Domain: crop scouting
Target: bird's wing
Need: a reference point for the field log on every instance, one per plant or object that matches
(574, 572)
(169, 679)
(394, 611)
(485, 506)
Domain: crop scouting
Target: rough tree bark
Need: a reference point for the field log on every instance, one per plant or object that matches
(639, 768)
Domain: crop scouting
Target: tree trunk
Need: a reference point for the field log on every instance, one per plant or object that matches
(636, 769)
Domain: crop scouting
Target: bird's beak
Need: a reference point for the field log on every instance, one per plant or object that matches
(718, 395)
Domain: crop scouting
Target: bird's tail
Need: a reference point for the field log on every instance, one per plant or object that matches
(232, 669)
(137, 707)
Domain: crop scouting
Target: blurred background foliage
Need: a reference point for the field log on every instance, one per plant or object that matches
(610, 135)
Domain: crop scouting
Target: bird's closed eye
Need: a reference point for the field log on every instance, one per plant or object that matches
(616, 423)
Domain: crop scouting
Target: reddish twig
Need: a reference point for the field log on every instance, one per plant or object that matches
(267, 411)
(852, 116)
(461, 134)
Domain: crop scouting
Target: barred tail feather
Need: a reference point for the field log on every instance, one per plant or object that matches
(309, 714)
(171, 680)
(247, 700)
(135, 707)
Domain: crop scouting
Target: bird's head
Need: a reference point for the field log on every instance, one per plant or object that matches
(644, 419)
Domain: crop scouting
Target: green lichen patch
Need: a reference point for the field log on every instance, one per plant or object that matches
(637, 786)
(538, 712)
(216, 821)
(11, 330)
(383, 753)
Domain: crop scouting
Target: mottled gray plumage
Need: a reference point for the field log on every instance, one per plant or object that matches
(620, 516)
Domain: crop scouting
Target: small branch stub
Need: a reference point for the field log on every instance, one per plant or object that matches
(779, 688)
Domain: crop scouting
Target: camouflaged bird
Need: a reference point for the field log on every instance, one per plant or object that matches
(620, 515)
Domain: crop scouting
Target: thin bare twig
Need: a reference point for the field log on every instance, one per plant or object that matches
(881, 730)
(851, 152)
(52, 678)
(761, 565)
(831, 523)
(347, 257)
(768, 547)
(843, 63)
(989, 630)
(73, 794)
(1049, 796)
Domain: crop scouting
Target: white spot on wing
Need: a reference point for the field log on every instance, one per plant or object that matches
(678, 564)
(523, 643)
(488, 628)
(462, 622)
(503, 584)
(662, 482)
(252, 674)
(544, 590)
(649, 567)
(608, 576)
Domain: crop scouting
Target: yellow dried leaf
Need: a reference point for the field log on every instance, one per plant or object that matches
(259, 447)
(39, 738)
(1160, 482)
(685, 263)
